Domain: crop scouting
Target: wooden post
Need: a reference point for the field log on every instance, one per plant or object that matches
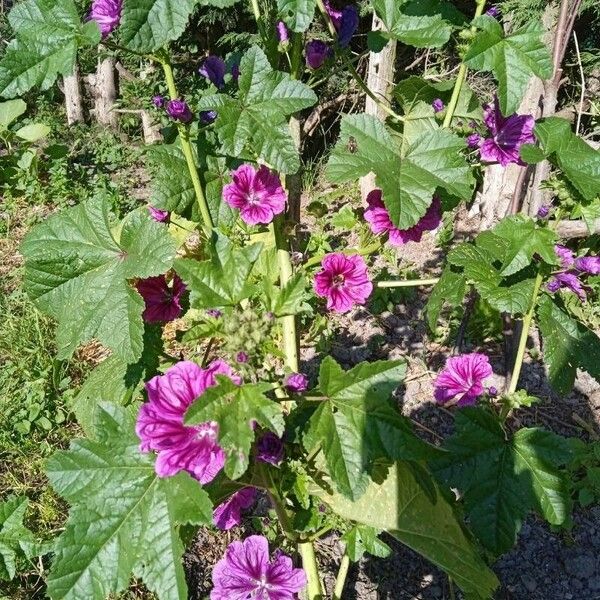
(106, 92)
(73, 98)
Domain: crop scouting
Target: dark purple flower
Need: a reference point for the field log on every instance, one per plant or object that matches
(569, 281)
(179, 110)
(246, 572)
(493, 11)
(296, 382)
(107, 13)
(543, 211)
(492, 391)
(215, 313)
(163, 303)
(348, 25)
(473, 140)
(317, 52)
(283, 35)
(229, 513)
(461, 381)
(213, 68)
(208, 116)
(588, 264)
(508, 134)
(269, 448)
(162, 216)
(242, 357)
(438, 105)
(235, 72)
(565, 256)
(334, 14)
(158, 101)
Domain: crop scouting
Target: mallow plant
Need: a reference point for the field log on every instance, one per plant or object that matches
(177, 441)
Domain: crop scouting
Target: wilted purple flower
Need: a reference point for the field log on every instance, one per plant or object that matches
(162, 216)
(242, 357)
(462, 377)
(348, 25)
(213, 68)
(564, 255)
(245, 572)
(208, 116)
(215, 313)
(508, 135)
(296, 382)
(163, 303)
(160, 424)
(317, 52)
(229, 513)
(269, 448)
(473, 140)
(569, 281)
(179, 110)
(438, 105)
(283, 35)
(158, 101)
(543, 211)
(334, 14)
(258, 194)
(588, 264)
(493, 11)
(107, 13)
(235, 72)
(379, 219)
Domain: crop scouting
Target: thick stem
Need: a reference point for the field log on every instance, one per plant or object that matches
(370, 249)
(309, 562)
(186, 147)
(406, 283)
(340, 580)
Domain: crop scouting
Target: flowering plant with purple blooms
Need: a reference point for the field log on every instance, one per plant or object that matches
(269, 328)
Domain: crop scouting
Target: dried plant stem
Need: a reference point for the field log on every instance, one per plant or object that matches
(340, 580)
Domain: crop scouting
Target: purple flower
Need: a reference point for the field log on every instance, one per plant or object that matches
(283, 35)
(179, 110)
(508, 134)
(492, 391)
(334, 14)
(317, 52)
(379, 219)
(160, 424)
(493, 11)
(213, 68)
(242, 357)
(348, 25)
(208, 116)
(258, 195)
(229, 513)
(158, 101)
(543, 211)
(162, 216)
(438, 105)
(296, 382)
(565, 256)
(473, 140)
(235, 72)
(245, 572)
(269, 448)
(107, 13)
(163, 303)
(588, 264)
(343, 280)
(463, 377)
(569, 281)
(215, 313)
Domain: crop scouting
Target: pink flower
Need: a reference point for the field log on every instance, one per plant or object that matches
(463, 377)
(569, 281)
(270, 448)
(107, 13)
(508, 134)
(229, 513)
(564, 255)
(163, 303)
(344, 281)
(296, 382)
(258, 195)
(246, 573)
(160, 424)
(379, 219)
(161, 216)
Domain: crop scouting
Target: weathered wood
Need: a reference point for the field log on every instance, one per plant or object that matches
(73, 97)
(106, 92)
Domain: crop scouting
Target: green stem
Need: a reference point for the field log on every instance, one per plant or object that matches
(406, 283)
(256, 11)
(524, 335)
(309, 562)
(186, 147)
(370, 249)
(340, 580)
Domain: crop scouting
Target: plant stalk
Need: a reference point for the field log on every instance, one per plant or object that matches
(309, 562)
(406, 283)
(370, 249)
(340, 580)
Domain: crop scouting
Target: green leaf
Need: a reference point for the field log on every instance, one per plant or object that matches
(291, 298)
(360, 539)
(357, 424)
(568, 346)
(234, 408)
(258, 117)
(297, 14)
(10, 111)
(15, 538)
(408, 181)
(403, 505)
(420, 23)
(450, 289)
(222, 280)
(147, 25)
(531, 154)
(502, 478)
(33, 132)
(513, 58)
(217, 3)
(124, 519)
(77, 271)
(571, 154)
(517, 399)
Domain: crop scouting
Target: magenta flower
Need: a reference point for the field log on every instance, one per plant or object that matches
(283, 35)
(473, 140)
(229, 513)
(438, 105)
(161, 216)
(508, 134)
(462, 377)
(379, 220)
(270, 449)
(296, 382)
(317, 52)
(565, 256)
(107, 13)
(246, 573)
(158, 101)
(588, 264)
(242, 357)
(543, 211)
(179, 110)
(163, 302)
(343, 280)
(334, 14)
(213, 68)
(258, 195)
(493, 11)
(160, 424)
(215, 313)
(569, 281)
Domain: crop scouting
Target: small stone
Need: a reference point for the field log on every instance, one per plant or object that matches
(583, 566)
(529, 582)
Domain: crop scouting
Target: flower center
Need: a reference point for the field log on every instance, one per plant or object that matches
(253, 198)
(262, 583)
(338, 281)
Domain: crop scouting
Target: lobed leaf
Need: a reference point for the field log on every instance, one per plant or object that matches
(15, 538)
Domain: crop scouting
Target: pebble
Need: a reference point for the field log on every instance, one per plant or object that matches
(529, 582)
(582, 566)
